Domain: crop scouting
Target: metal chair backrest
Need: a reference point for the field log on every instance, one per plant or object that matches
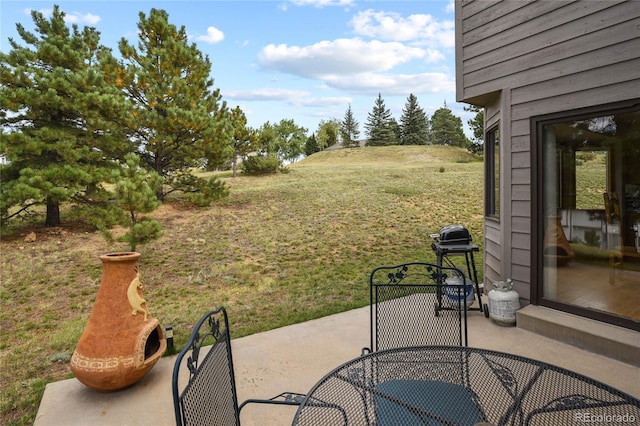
(417, 303)
(209, 396)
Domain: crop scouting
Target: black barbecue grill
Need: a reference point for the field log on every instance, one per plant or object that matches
(456, 240)
(452, 234)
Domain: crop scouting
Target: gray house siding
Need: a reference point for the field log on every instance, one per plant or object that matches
(522, 59)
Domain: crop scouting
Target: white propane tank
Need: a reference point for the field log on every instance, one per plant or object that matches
(503, 303)
(453, 295)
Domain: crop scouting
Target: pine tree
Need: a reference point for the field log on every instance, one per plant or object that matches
(349, 130)
(446, 129)
(58, 115)
(379, 125)
(414, 123)
(177, 118)
(477, 127)
(311, 146)
(244, 139)
(396, 129)
(267, 140)
(135, 194)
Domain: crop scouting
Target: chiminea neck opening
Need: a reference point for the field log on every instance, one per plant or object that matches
(123, 256)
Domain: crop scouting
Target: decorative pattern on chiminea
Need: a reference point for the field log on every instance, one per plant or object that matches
(121, 341)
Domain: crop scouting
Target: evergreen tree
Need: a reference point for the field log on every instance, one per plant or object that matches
(177, 118)
(218, 144)
(349, 130)
(414, 123)
(244, 139)
(446, 129)
(135, 194)
(477, 126)
(267, 140)
(311, 146)
(396, 129)
(379, 125)
(57, 117)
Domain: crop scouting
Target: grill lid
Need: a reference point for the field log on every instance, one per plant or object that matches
(454, 234)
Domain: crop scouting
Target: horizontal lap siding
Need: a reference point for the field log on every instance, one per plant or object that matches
(521, 225)
(521, 192)
(521, 208)
(505, 22)
(610, 74)
(585, 98)
(521, 257)
(552, 42)
(520, 143)
(536, 41)
(520, 73)
(551, 56)
(520, 128)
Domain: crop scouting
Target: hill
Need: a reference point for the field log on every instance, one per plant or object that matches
(396, 153)
(280, 249)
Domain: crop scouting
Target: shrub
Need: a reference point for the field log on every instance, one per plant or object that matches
(199, 191)
(261, 165)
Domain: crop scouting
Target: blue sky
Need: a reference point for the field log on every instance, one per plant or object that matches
(305, 60)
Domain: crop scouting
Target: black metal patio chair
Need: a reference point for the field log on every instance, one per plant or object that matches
(209, 396)
(417, 303)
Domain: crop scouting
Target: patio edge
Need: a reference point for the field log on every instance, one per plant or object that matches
(605, 339)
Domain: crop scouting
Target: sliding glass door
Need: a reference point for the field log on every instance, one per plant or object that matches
(589, 214)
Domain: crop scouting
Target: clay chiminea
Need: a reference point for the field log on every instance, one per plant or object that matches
(121, 341)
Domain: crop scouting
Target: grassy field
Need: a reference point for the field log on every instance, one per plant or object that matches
(281, 249)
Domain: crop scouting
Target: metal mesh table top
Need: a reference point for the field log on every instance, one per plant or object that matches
(453, 385)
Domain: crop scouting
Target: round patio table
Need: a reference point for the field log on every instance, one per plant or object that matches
(453, 385)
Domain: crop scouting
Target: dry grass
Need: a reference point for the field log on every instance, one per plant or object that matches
(281, 249)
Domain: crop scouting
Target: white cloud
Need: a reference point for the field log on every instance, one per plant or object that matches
(78, 18)
(322, 3)
(416, 28)
(364, 65)
(323, 101)
(341, 56)
(298, 98)
(213, 36)
(265, 94)
(393, 84)
(70, 17)
(433, 56)
(451, 7)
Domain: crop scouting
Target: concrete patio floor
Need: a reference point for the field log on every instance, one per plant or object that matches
(293, 358)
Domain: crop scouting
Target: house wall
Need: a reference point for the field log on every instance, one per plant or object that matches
(522, 59)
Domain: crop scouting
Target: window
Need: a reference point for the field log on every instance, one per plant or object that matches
(589, 213)
(492, 178)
